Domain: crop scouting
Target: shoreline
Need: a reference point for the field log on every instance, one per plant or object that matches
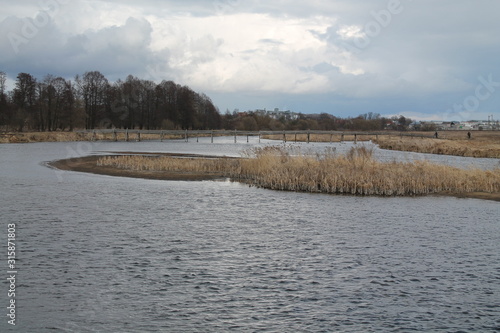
(87, 164)
(483, 144)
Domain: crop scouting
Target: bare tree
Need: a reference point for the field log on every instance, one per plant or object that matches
(93, 86)
(4, 116)
(3, 79)
(25, 98)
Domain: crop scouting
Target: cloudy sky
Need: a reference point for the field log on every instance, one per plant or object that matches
(424, 59)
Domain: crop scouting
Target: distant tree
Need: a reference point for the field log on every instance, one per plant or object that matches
(208, 116)
(246, 123)
(92, 88)
(25, 100)
(3, 80)
(166, 106)
(326, 122)
(187, 107)
(130, 90)
(404, 123)
(147, 105)
(70, 117)
(371, 116)
(276, 125)
(426, 126)
(4, 107)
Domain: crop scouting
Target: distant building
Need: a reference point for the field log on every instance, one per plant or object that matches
(277, 114)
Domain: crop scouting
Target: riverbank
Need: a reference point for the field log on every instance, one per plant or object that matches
(481, 144)
(90, 164)
(485, 144)
(356, 173)
(31, 137)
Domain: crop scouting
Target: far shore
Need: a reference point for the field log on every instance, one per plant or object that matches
(89, 164)
(484, 144)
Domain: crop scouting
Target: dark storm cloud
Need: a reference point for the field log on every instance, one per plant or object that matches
(335, 53)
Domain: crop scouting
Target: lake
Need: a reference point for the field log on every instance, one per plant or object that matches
(108, 254)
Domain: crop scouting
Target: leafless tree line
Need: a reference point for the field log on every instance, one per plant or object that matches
(91, 101)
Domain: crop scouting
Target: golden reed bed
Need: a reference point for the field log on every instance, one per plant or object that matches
(481, 144)
(467, 148)
(29, 137)
(356, 173)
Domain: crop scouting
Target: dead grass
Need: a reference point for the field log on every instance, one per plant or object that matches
(27, 137)
(168, 163)
(317, 137)
(476, 147)
(355, 173)
(482, 144)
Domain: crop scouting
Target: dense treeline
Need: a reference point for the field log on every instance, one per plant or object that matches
(91, 101)
(323, 122)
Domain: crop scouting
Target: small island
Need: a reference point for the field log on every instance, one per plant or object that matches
(278, 168)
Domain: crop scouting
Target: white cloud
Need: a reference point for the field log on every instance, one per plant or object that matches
(432, 51)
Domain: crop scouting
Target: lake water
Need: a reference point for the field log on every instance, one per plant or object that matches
(109, 254)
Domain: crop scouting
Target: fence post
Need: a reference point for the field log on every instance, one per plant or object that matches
(308, 137)
(355, 138)
(212, 136)
(234, 136)
(138, 136)
(126, 135)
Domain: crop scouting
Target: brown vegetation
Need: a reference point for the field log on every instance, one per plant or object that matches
(356, 173)
(313, 137)
(481, 144)
(29, 137)
(25, 137)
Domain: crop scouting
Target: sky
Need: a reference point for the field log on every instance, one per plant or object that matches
(423, 59)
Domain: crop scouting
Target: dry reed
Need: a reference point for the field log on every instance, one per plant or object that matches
(468, 148)
(314, 137)
(166, 163)
(354, 173)
(27, 137)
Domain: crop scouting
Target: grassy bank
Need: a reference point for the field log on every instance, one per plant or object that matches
(479, 146)
(482, 143)
(354, 173)
(313, 137)
(29, 137)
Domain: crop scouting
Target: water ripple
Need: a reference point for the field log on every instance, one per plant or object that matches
(104, 254)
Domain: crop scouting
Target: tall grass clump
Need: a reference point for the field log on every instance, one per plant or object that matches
(167, 163)
(356, 172)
